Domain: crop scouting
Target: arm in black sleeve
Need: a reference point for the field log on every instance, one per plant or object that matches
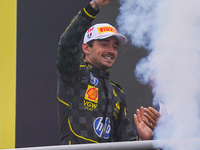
(69, 54)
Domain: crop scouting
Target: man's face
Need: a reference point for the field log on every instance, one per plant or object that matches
(103, 53)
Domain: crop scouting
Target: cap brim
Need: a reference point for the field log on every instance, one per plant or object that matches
(121, 38)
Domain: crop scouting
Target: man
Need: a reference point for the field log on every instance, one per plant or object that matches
(92, 109)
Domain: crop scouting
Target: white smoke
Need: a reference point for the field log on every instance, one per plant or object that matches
(170, 31)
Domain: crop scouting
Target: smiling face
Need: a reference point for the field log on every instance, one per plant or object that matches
(103, 53)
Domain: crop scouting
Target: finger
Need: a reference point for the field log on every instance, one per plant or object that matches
(142, 111)
(155, 112)
(139, 115)
(151, 114)
(145, 119)
(103, 2)
(150, 119)
(135, 119)
(150, 125)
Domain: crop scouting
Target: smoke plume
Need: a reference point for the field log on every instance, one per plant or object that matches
(170, 31)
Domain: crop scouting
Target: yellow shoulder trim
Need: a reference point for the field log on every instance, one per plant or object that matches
(116, 86)
(62, 101)
(88, 13)
(79, 135)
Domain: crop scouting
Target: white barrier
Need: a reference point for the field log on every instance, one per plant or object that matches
(130, 145)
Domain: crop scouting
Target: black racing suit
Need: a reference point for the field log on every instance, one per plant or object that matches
(92, 109)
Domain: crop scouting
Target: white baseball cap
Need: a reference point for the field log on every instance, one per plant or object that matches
(102, 31)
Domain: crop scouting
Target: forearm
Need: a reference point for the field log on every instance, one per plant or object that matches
(78, 26)
(68, 52)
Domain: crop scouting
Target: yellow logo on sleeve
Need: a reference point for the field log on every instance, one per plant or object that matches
(114, 93)
(117, 105)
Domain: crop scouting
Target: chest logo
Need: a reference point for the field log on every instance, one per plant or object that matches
(93, 79)
(102, 129)
(92, 94)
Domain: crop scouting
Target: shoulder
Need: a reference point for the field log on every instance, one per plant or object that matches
(117, 86)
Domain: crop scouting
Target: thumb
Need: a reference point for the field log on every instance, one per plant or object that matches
(136, 120)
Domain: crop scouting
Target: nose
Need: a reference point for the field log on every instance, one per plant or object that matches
(112, 49)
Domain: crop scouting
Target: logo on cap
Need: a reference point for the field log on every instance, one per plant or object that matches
(106, 29)
(89, 32)
(89, 35)
(90, 29)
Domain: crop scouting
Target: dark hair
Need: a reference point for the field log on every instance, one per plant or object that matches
(90, 44)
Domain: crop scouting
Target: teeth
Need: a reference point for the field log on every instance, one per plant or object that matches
(108, 58)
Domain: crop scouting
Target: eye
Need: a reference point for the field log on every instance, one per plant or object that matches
(115, 47)
(104, 44)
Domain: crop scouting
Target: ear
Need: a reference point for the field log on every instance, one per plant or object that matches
(86, 48)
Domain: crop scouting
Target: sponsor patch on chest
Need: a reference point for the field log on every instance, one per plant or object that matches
(89, 105)
(102, 128)
(91, 98)
(91, 94)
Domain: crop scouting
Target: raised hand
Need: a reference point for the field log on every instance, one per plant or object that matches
(99, 3)
(145, 121)
(152, 115)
